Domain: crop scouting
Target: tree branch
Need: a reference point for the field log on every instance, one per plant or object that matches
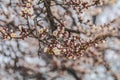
(49, 15)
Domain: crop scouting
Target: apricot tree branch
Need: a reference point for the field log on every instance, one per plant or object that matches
(49, 15)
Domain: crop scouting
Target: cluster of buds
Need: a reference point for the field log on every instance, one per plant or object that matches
(27, 9)
(60, 32)
(71, 45)
(43, 33)
(70, 48)
(19, 34)
(53, 50)
(23, 32)
(65, 44)
(6, 34)
(79, 5)
(54, 47)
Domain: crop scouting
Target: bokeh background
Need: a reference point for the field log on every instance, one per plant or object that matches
(19, 59)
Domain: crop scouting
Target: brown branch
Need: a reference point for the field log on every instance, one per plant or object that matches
(74, 31)
(49, 15)
(69, 30)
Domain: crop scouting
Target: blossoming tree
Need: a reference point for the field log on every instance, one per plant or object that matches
(62, 28)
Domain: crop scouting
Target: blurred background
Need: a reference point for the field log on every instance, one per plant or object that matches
(19, 59)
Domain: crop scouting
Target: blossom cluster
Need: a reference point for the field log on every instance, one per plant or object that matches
(27, 9)
(21, 33)
(62, 40)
